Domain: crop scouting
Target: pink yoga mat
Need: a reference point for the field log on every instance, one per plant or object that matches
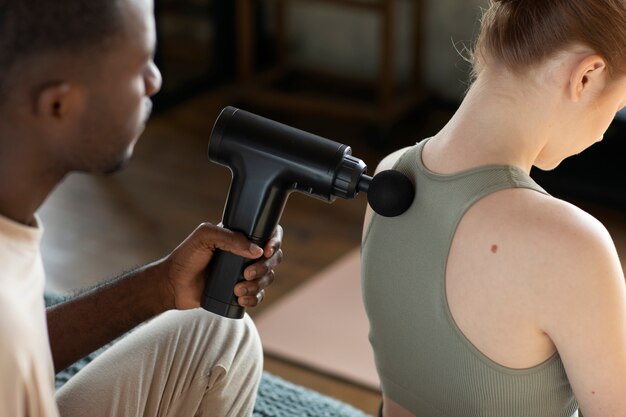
(322, 325)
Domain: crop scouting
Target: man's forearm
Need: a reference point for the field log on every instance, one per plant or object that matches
(87, 322)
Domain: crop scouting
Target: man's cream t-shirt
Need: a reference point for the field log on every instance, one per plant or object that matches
(26, 369)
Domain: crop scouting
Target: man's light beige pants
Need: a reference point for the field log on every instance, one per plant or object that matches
(182, 363)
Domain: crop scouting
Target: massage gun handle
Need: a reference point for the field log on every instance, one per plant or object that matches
(224, 271)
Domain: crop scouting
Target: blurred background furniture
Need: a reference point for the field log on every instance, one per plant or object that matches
(290, 86)
(195, 47)
(254, 48)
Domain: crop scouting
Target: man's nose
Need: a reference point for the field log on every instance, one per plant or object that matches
(153, 80)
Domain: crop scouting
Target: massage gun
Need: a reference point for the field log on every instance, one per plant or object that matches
(269, 161)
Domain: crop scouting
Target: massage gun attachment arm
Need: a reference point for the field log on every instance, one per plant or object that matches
(254, 205)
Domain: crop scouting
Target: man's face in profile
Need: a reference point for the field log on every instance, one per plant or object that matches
(118, 92)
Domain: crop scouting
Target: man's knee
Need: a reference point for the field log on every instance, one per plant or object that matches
(234, 364)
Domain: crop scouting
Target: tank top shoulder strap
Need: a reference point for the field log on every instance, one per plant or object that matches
(475, 182)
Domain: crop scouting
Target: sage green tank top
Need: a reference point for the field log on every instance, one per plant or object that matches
(424, 361)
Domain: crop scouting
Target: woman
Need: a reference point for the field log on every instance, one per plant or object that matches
(489, 297)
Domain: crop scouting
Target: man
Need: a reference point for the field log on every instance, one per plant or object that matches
(76, 78)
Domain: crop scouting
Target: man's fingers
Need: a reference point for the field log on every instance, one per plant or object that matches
(274, 243)
(210, 237)
(252, 300)
(254, 287)
(262, 267)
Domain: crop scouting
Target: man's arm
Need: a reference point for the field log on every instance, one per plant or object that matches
(91, 320)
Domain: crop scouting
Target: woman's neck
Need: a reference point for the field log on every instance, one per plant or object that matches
(501, 121)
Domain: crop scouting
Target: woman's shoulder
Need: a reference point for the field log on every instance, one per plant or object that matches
(561, 230)
(566, 226)
(554, 247)
(582, 250)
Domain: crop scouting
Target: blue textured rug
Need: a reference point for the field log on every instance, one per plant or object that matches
(276, 397)
(279, 398)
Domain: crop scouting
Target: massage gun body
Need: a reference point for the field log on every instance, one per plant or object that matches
(268, 162)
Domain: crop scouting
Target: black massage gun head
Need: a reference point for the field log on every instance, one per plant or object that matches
(389, 193)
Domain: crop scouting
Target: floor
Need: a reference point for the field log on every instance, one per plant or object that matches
(97, 227)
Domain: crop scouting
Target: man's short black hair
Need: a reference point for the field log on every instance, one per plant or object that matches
(29, 27)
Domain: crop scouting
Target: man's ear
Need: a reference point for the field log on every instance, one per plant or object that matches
(58, 101)
(587, 75)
